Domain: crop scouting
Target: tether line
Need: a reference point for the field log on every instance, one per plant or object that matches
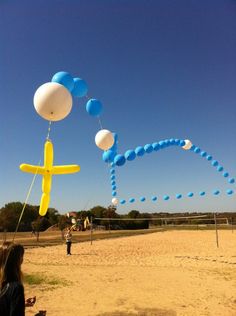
(26, 200)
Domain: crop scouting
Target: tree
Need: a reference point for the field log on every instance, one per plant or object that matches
(10, 214)
(52, 216)
(63, 222)
(98, 211)
(39, 225)
(134, 214)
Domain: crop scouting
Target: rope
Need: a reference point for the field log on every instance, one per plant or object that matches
(30, 188)
(49, 130)
(100, 123)
(26, 200)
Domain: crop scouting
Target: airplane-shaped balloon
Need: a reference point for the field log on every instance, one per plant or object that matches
(47, 171)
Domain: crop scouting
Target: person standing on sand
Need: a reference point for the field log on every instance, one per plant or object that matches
(68, 237)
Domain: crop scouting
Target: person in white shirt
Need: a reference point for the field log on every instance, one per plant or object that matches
(68, 237)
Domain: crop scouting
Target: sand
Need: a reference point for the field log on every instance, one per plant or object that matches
(165, 273)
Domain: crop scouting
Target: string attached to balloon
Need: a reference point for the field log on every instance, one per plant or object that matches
(53, 102)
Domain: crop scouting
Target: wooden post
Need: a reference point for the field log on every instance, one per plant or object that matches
(91, 231)
(217, 241)
(232, 226)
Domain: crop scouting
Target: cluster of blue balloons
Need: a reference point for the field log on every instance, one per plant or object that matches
(78, 88)
(177, 196)
(109, 155)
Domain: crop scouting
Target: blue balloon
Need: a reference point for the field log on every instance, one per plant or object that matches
(202, 193)
(108, 155)
(216, 192)
(162, 144)
(130, 155)
(166, 197)
(167, 142)
(113, 177)
(214, 163)
(178, 196)
(112, 171)
(94, 107)
(231, 180)
(209, 157)
(65, 79)
(225, 174)
(112, 164)
(220, 168)
(203, 153)
(131, 200)
(156, 146)
(154, 198)
(229, 192)
(177, 141)
(197, 150)
(190, 194)
(113, 193)
(139, 151)
(181, 143)
(80, 88)
(122, 201)
(148, 148)
(114, 148)
(119, 160)
(113, 187)
(172, 141)
(115, 136)
(142, 199)
(193, 148)
(113, 182)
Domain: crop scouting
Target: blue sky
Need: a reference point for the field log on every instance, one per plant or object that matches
(161, 68)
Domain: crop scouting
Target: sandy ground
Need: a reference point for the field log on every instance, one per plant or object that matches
(166, 273)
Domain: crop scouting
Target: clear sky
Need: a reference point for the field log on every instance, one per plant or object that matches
(161, 69)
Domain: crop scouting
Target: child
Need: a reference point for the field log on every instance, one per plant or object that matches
(68, 237)
(12, 298)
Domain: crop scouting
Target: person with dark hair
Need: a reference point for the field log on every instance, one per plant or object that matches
(12, 298)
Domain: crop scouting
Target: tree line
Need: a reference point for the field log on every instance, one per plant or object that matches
(31, 221)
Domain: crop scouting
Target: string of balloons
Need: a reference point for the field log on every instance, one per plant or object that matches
(53, 102)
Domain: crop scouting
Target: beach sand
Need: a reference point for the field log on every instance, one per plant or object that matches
(165, 273)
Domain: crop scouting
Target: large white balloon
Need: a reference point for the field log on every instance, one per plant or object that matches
(114, 201)
(52, 101)
(187, 145)
(104, 139)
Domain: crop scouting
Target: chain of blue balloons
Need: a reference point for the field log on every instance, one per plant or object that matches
(119, 160)
(105, 139)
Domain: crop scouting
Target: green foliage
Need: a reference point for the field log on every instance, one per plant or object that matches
(98, 211)
(10, 214)
(37, 279)
(63, 222)
(134, 214)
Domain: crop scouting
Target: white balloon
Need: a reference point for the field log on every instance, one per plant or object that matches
(114, 201)
(187, 145)
(52, 101)
(104, 139)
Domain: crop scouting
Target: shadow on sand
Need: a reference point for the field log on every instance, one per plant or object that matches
(142, 312)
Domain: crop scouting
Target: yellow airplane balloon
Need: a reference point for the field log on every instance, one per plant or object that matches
(47, 171)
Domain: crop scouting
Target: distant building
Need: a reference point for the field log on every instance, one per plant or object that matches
(71, 214)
